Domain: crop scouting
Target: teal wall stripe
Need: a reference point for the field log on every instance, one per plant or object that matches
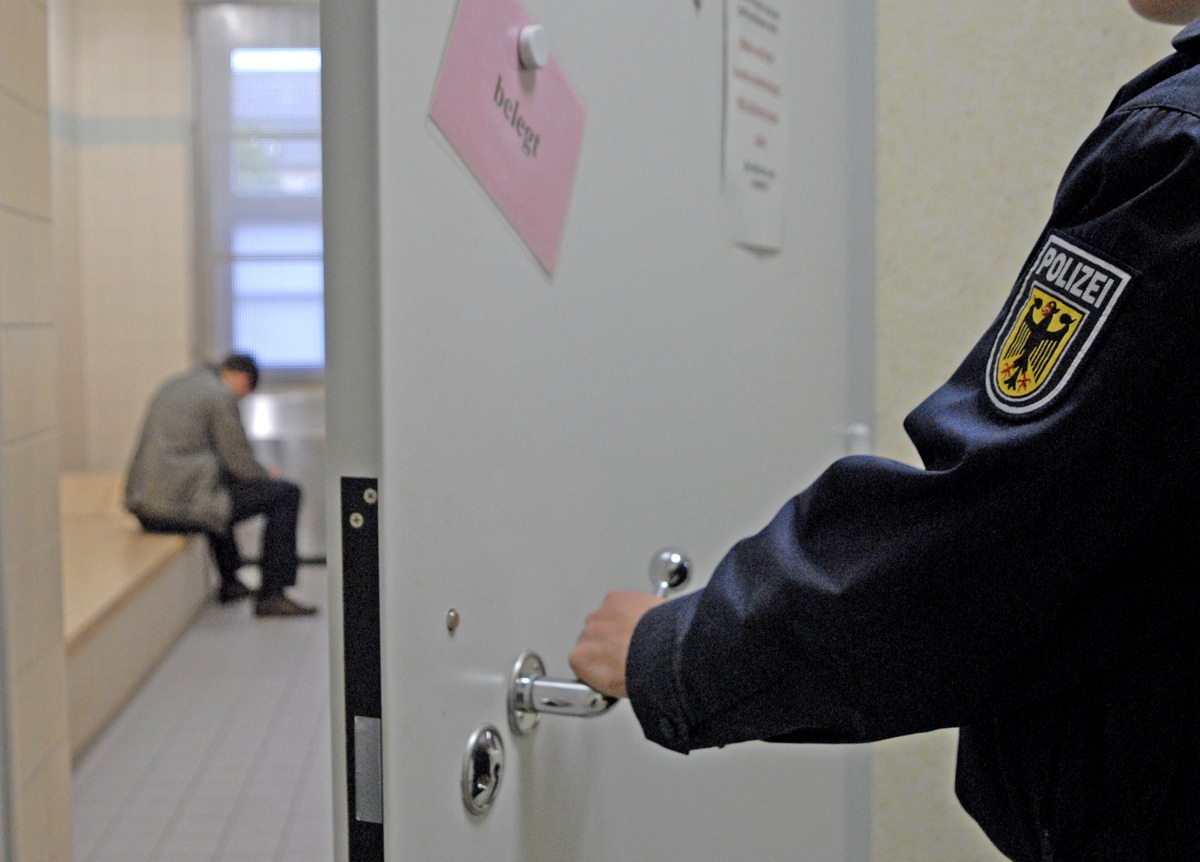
(119, 131)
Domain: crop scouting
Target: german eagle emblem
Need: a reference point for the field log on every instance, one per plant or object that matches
(1053, 319)
(1036, 342)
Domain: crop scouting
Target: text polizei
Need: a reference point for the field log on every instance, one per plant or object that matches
(1074, 275)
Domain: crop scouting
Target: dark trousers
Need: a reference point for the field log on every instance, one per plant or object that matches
(279, 500)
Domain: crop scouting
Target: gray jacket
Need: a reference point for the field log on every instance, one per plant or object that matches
(192, 445)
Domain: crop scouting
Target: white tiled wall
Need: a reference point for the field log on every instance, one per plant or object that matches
(37, 773)
(125, 127)
(95, 303)
(135, 54)
(136, 289)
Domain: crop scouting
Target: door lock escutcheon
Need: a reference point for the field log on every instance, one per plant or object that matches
(531, 692)
(482, 769)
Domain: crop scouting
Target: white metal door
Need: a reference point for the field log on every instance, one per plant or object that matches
(537, 439)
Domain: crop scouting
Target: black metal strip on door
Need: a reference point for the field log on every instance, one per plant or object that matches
(362, 663)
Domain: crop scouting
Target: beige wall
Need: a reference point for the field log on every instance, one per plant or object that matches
(979, 109)
(37, 774)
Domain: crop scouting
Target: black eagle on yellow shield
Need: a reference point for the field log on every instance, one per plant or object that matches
(1035, 343)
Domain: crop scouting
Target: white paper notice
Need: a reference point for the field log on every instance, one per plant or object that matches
(755, 122)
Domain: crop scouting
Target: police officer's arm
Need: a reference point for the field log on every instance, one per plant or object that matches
(228, 438)
(888, 599)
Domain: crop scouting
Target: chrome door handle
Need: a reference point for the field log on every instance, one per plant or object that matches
(531, 692)
(669, 570)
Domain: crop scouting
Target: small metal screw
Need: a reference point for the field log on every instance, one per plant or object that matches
(452, 620)
(356, 520)
(371, 496)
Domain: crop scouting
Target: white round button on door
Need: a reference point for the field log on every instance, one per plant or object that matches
(534, 46)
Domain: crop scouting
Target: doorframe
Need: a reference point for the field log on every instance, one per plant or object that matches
(353, 417)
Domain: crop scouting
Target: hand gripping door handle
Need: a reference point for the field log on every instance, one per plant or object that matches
(531, 692)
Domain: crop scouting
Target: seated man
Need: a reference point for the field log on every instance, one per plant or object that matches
(194, 471)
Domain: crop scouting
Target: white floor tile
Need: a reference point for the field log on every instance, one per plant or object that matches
(221, 755)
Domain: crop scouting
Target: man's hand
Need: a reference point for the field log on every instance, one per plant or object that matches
(601, 650)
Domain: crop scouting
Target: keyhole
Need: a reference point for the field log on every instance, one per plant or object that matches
(485, 783)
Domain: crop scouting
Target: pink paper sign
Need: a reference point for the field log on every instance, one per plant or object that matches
(519, 131)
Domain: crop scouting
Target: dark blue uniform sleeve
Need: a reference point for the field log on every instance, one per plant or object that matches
(1043, 539)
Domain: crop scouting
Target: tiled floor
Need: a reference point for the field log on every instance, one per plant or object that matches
(224, 754)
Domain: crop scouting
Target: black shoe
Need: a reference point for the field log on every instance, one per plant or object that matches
(281, 606)
(233, 592)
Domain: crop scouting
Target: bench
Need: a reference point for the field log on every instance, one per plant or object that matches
(127, 597)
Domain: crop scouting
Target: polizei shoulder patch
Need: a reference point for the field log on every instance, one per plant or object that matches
(1064, 301)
